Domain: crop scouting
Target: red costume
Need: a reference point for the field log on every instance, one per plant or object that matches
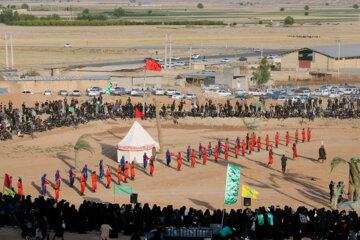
(216, 154)
(254, 139)
(250, 147)
(303, 135)
(294, 152)
(287, 139)
(236, 150)
(82, 184)
(56, 191)
(276, 140)
(243, 150)
(267, 142)
(296, 136)
(226, 153)
(179, 161)
(94, 182)
(193, 159)
(20, 188)
(132, 171)
(308, 134)
(204, 156)
(151, 167)
(271, 159)
(119, 175)
(108, 177)
(258, 144)
(126, 170)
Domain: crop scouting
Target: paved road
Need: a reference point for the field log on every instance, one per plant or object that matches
(207, 57)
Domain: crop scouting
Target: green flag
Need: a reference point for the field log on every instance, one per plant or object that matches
(109, 88)
(8, 191)
(119, 189)
(71, 109)
(232, 184)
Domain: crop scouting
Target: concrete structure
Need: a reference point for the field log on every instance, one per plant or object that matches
(232, 78)
(200, 78)
(39, 84)
(344, 59)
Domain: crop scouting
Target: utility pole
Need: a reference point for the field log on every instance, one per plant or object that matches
(338, 72)
(170, 51)
(12, 52)
(158, 125)
(166, 42)
(190, 57)
(6, 53)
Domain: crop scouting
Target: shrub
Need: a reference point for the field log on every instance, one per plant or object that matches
(289, 20)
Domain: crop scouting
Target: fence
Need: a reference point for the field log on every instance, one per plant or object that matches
(199, 233)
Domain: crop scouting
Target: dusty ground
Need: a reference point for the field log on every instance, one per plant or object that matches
(306, 181)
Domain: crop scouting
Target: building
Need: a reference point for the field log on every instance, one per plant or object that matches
(323, 60)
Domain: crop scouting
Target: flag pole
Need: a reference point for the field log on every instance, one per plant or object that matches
(222, 219)
(144, 95)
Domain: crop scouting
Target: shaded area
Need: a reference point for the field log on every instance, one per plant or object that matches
(202, 203)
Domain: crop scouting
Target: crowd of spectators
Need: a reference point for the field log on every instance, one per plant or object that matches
(51, 114)
(40, 218)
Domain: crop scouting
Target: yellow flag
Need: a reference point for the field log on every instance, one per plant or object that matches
(248, 192)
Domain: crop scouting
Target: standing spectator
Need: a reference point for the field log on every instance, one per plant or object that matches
(322, 154)
(283, 163)
(331, 188)
(105, 231)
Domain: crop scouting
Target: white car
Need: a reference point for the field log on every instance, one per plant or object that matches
(177, 95)
(195, 56)
(98, 89)
(190, 96)
(76, 93)
(171, 91)
(136, 92)
(223, 93)
(179, 64)
(257, 92)
(225, 60)
(159, 91)
(175, 58)
(27, 92)
(67, 45)
(63, 92)
(158, 59)
(48, 93)
(257, 50)
(334, 94)
(282, 98)
(241, 91)
(93, 92)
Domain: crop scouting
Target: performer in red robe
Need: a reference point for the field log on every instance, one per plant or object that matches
(82, 184)
(94, 181)
(179, 161)
(236, 150)
(308, 134)
(303, 135)
(119, 174)
(193, 160)
(56, 186)
(132, 171)
(226, 153)
(296, 136)
(20, 187)
(294, 151)
(216, 153)
(258, 144)
(287, 138)
(277, 140)
(243, 150)
(267, 142)
(152, 166)
(204, 156)
(250, 147)
(253, 139)
(126, 171)
(271, 159)
(108, 177)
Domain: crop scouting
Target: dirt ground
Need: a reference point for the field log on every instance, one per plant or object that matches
(304, 184)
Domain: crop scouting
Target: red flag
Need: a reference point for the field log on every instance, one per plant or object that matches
(172, 154)
(7, 181)
(138, 114)
(147, 158)
(202, 147)
(222, 145)
(73, 174)
(152, 65)
(46, 182)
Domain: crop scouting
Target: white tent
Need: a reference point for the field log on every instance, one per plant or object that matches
(135, 143)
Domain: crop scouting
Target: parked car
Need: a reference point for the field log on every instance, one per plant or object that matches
(223, 93)
(257, 50)
(334, 94)
(242, 59)
(148, 58)
(171, 91)
(180, 64)
(242, 96)
(325, 92)
(159, 91)
(137, 92)
(118, 91)
(257, 92)
(27, 92)
(282, 98)
(225, 60)
(190, 96)
(264, 98)
(177, 95)
(48, 93)
(63, 92)
(67, 45)
(290, 91)
(175, 58)
(241, 91)
(195, 56)
(159, 59)
(76, 93)
(98, 89)
(316, 92)
(275, 94)
(93, 92)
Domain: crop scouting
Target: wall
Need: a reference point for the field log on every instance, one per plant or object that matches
(290, 62)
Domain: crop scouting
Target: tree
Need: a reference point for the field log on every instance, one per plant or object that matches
(149, 12)
(306, 13)
(355, 6)
(306, 7)
(260, 22)
(326, 4)
(24, 6)
(354, 175)
(262, 74)
(86, 11)
(32, 73)
(200, 5)
(119, 12)
(289, 20)
(13, 6)
(282, 9)
(80, 145)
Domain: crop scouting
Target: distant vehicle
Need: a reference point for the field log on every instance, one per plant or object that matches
(257, 50)
(325, 92)
(257, 92)
(334, 94)
(223, 93)
(190, 96)
(148, 58)
(158, 59)
(63, 92)
(242, 96)
(179, 64)
(137, 92)
(119, 91)
(282, 98)
(264, 98)
(225, 60)
(241, 91)
(159, 91)
(98, 89)
(76, 93)
(177, 95)
(67, 45)
(175, 58)
(290, 91)
(242, 59)
(171, 91)
(195, 56)
(275, 95)
(27, 92)
(93, 92)
(48, 93)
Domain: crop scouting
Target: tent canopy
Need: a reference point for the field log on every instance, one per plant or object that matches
(137, 139)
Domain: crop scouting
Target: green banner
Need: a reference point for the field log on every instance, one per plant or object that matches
(71, 109)
(109, 88)
(8, 191)
(119, 189)
(232, 184)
